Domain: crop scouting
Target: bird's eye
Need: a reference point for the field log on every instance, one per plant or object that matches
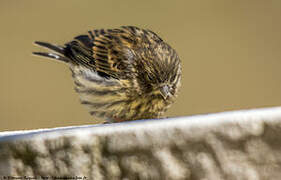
(173, 78)
(148, 77)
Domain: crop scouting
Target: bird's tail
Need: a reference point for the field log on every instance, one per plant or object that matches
(58, 52)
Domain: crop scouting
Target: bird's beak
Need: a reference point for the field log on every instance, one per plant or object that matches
(165, 92)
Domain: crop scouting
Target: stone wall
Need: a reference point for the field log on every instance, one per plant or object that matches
(230, 145)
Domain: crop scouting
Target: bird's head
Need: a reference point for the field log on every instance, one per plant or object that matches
(159, 72)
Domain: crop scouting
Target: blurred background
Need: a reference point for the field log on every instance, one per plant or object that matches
(230, 52)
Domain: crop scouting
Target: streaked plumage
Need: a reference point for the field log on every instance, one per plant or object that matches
(121, 74)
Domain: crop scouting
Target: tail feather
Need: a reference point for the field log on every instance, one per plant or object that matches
(52, 56)
(55, 48)
(58, 51)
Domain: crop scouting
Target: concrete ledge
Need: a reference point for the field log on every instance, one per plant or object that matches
(230, 145)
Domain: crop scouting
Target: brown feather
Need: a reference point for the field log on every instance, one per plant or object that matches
(122, 73)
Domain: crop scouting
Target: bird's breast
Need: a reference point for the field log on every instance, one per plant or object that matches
(115, 100)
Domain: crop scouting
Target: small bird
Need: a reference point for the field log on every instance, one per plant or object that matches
(121, 74)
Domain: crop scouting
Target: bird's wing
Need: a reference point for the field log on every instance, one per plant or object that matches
(106, 51)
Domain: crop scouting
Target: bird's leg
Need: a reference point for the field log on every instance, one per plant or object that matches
(117, 119)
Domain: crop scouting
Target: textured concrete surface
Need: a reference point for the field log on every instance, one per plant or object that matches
(231, 145)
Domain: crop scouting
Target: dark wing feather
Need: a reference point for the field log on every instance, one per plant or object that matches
(104, 51)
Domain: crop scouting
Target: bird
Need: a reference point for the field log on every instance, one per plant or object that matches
(121, 74)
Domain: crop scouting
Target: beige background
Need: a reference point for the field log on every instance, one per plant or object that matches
(230, 51)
